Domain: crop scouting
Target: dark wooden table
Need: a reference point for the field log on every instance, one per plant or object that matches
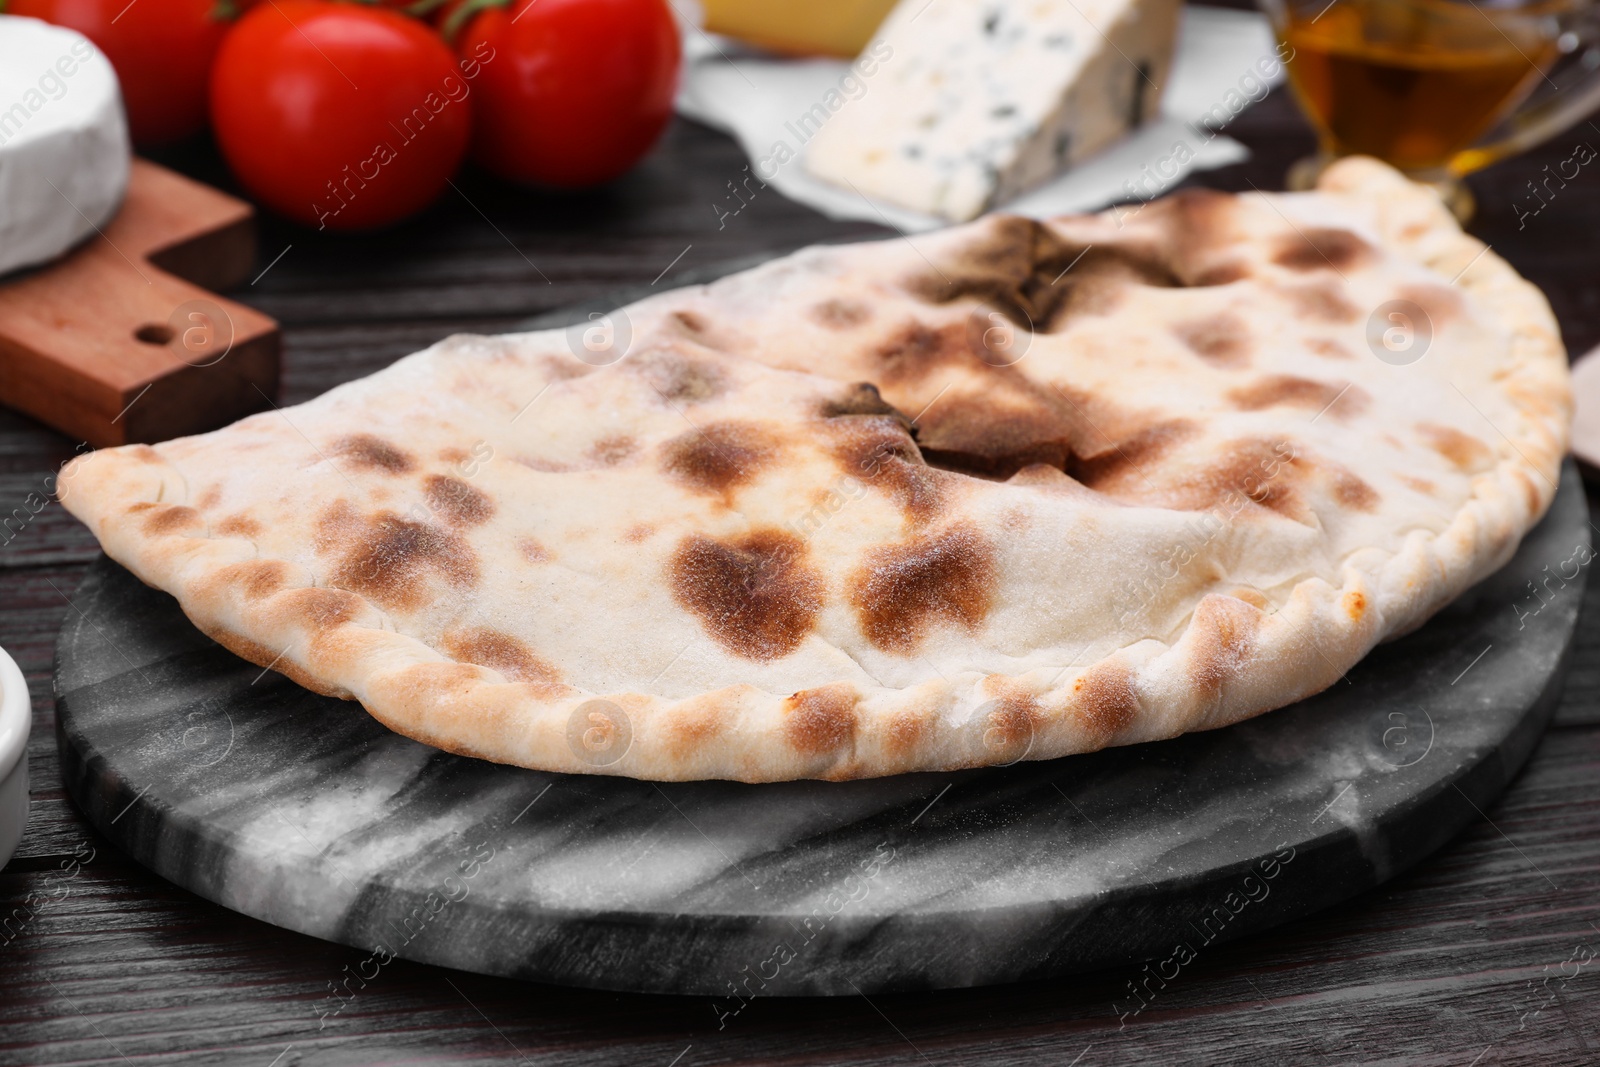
(1484, 954)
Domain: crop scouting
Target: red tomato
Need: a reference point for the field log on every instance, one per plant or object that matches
(570, 92)
(161, 50)
(339, 115)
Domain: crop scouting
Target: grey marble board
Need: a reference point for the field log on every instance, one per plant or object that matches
(304, 812)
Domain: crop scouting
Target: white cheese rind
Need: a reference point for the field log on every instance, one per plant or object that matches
(977, 101)
(64, 152)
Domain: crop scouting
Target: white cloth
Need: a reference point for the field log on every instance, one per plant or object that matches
(1218, 70)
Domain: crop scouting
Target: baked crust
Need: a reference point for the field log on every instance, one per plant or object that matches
(1156, 520)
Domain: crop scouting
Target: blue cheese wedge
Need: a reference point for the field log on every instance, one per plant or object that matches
(976, 101)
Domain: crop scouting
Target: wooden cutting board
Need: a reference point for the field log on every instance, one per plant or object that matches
(123, 341)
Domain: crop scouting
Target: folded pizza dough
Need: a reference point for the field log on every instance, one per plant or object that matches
(1011, 491)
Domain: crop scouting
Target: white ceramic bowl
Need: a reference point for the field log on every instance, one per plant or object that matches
(16, 719)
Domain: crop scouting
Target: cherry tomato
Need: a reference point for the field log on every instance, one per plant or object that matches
(570, 92)
(339, 115)
(161, 50)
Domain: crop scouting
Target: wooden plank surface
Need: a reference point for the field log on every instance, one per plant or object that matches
(1488, 953)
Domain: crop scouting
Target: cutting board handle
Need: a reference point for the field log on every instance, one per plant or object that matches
(123, 339)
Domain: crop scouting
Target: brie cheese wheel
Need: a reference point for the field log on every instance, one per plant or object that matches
(968, 103)
(64, 151)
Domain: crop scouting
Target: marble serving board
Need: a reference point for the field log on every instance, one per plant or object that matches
(304, 812)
